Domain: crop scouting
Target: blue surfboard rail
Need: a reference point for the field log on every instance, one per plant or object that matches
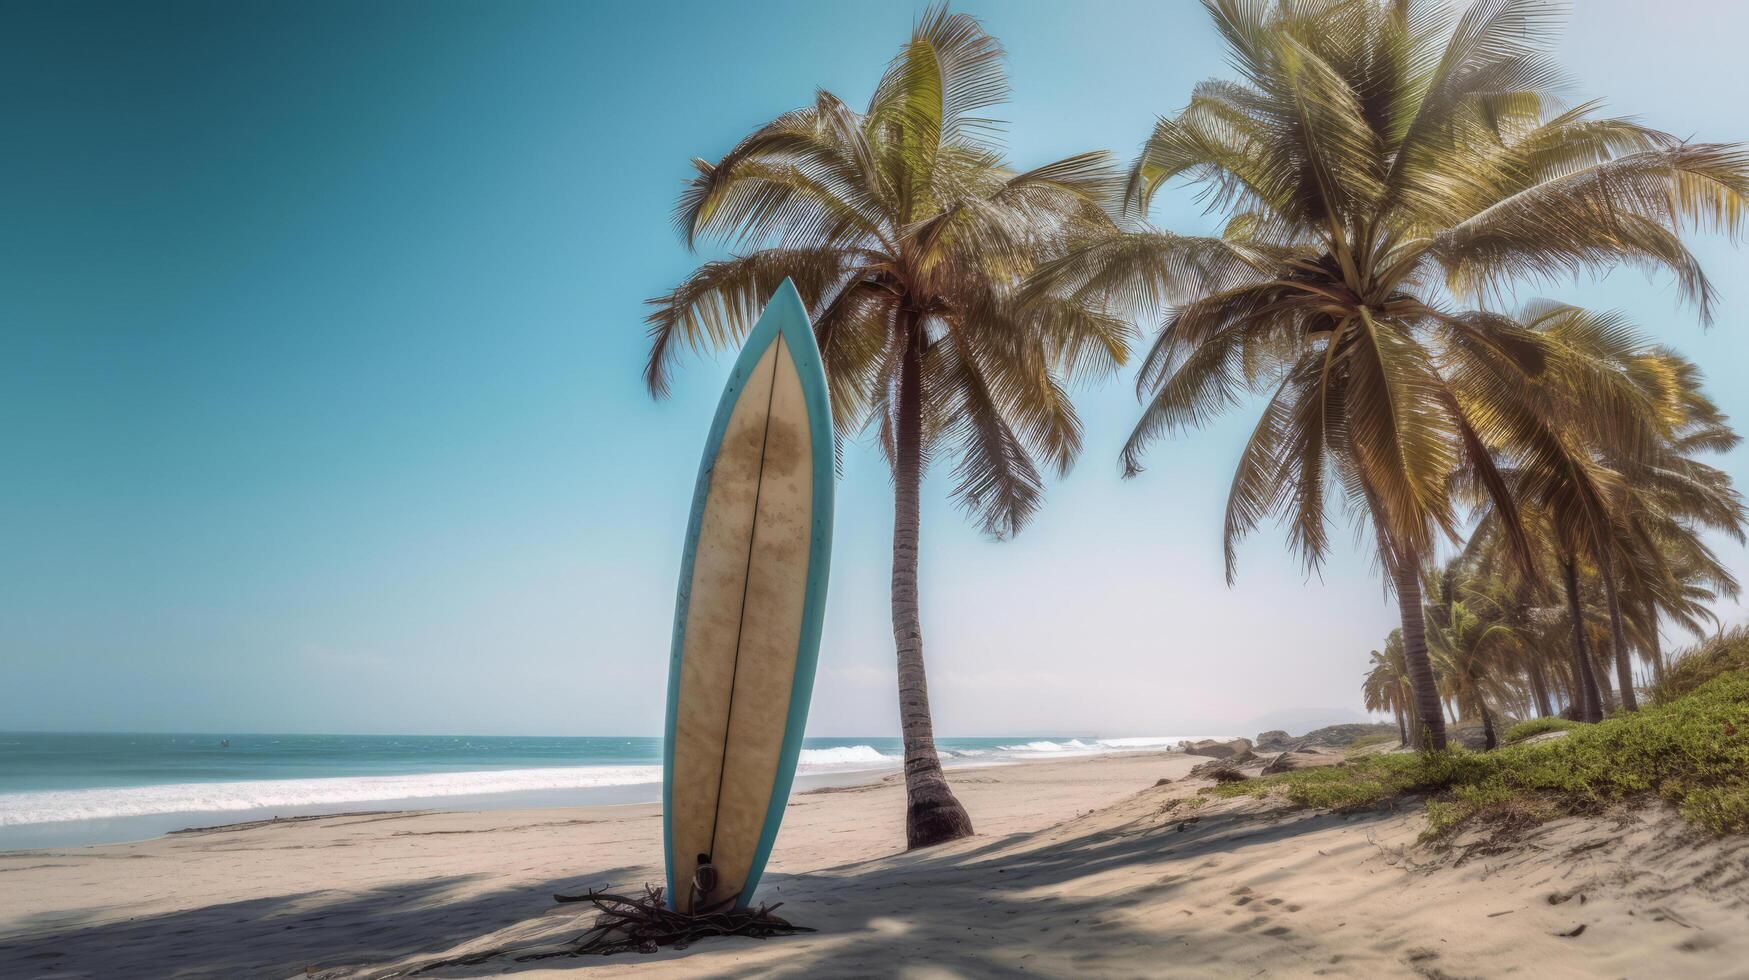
(786, 316)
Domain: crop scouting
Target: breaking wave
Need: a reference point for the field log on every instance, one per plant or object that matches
(846, 755)
(1075, 746)
(1072, 745)
(53, 806)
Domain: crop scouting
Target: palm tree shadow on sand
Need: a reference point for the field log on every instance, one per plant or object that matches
(983, 906)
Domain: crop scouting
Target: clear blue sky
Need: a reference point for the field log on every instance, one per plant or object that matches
(320, 330)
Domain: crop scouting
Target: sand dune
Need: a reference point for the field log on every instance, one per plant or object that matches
(1081, 867)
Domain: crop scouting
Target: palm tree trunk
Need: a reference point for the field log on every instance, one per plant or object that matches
(1600, 673)
(1411, 712)
(932, 815)
(1431, 717)
(1489, 740)
(1402, 729)
(1539, 687)
(1618, 637)
(1657, 645)
(1585, 695)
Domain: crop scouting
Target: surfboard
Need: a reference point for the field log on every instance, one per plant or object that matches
(747, 619)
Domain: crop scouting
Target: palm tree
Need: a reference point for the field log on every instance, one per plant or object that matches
(1509, 600)
(1470, 652)
(1624, 488)
(1620, 500)
(1659, 555)
(1380, 163)
(906, 235)
(1586, 401)
(1688, 579)
(1386, 687)
(1689, 575)
(1567, 495)
(1670, 497)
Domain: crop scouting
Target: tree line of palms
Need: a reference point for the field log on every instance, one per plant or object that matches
(1547, 638)
(1383, 169)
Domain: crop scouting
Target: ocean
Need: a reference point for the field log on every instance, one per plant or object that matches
(61, 789)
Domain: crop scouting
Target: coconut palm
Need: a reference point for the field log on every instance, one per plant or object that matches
(1660, 559)
(1688, 580)
(1511, 601)
(1580, 622)
(1543, 655)
(906, 234)
(1386, 687)
(1471, 651)
(1622, 509)
(1689, 575)
(1626, 490)
(1381, 163)
(1670, 497)
(1589, 404)
(1586, 399)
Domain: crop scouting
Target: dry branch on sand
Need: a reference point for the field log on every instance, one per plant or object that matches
(642, 925)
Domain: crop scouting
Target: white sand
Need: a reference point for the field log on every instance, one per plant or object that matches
(1076, 871)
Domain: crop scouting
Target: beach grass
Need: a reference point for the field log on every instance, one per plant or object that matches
(1359, 745)
(1691, 751)
(1537, 726)
(1721, 654)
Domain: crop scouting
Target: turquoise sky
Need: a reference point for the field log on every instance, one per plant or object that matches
(320, 332)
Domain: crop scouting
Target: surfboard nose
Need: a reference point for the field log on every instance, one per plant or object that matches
(790, 316)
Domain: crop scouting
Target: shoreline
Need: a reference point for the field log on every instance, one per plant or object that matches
(138, 827)
(1087, 866)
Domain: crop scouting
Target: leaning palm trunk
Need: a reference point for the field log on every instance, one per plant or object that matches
(1618, 638)
(1657, 647)
(1539, 688)
(1411, 715)
(1430, 716)
(1600, 661)
(932, 813)
(1586, 698)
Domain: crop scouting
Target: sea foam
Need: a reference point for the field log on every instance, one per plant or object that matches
(53, 806)
(845, 755)
(1051, 748)
(1075, 746)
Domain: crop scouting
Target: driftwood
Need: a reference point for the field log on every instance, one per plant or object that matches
(648, 924)
(643, 925)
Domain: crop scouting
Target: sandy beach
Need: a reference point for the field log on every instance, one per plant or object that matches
(1080, 867)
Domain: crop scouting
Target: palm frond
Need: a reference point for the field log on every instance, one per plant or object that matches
(717, 305)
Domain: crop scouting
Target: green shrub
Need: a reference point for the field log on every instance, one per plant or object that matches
(1536, 726)
(1692, 752)
(1702, 662)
